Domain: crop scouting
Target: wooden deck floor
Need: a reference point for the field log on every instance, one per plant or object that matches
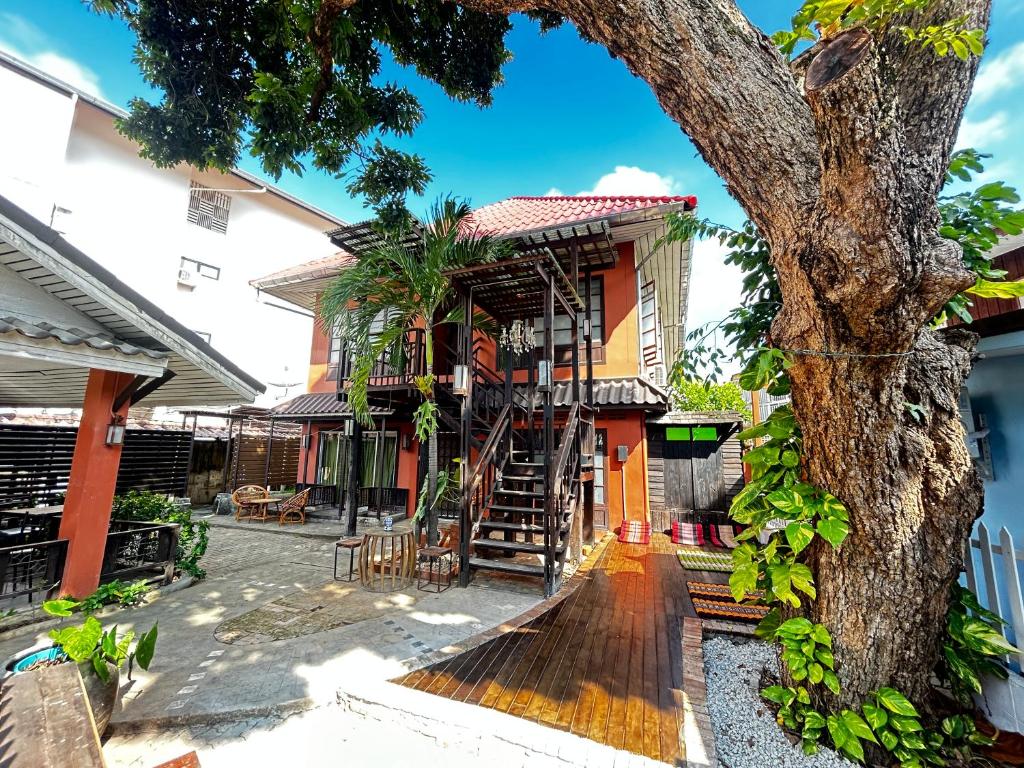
(605, 663)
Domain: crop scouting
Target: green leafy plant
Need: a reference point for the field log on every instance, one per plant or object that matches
(796, 713)
(193, 535)
(827, 18)
(88, 644)
(974, 643)
(692, 395)
(116, 591)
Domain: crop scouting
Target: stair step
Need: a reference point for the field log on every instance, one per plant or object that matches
(516, 492)
(514, 546)
(522, 478)
(497, 525)
(534, 464)
(523, 510)
(506, 567)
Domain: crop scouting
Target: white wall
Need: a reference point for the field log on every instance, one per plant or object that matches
(131, 217)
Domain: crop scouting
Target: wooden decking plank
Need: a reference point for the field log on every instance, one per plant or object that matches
(606, 662)
(536, 682)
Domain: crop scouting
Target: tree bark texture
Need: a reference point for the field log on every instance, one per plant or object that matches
(838, 158)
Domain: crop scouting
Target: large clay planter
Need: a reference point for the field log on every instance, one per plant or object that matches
(104, 697)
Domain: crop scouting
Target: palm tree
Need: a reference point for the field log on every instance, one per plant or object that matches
(393, 288)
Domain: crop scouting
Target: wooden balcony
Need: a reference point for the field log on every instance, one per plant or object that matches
(394, 369)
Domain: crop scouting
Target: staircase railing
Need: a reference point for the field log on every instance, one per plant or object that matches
(562, 490)
(480, 483)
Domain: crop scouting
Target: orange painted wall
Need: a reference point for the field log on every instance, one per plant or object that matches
(628, 431)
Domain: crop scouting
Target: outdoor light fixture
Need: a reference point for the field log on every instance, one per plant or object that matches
(517, 337)
(407, 441)
(115, 431)
(461, 385)
(544, 375)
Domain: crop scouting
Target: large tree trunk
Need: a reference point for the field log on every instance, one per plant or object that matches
(838, 159)
(912, 493)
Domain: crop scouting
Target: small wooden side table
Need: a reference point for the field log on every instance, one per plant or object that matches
(427, 556)
(387, 560)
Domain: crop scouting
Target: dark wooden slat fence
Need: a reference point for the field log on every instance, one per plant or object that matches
(35, 463)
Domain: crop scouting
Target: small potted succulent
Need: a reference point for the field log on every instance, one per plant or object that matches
(100, 655)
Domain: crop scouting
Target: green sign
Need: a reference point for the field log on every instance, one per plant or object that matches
(705, 433)
(677, 433)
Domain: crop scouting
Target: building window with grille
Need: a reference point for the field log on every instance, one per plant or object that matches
(334, 348)
(197, 268)
(208, 208)
(563, 326)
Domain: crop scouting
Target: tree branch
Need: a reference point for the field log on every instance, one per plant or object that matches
(321, 37)
(725, 84)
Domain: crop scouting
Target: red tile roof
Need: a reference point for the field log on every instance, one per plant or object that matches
(526, 214)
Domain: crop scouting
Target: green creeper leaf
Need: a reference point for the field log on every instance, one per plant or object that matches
(774, 693)
(799, 535)
(876, 716)
(821, 635)
(989, 289)
(146, 648)
(768, 625)
(852, 748)
(905, 724)
(833, 507)
(109, 643)
(814, 719)
(833, 530)
(801, 577)
(815, 672)
(790, 458)
(802, 695)
(781, 584)
(797, 627)
(889, 739)
(895, 702)
(824, 655)
(60, 607)
(100, 667)
(838, 731)
(80, 642)
(743, 580)
(785, 499)
(831, 681)
(857, 726)
(912, 741)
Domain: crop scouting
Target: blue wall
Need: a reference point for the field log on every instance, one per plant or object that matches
(996, 387)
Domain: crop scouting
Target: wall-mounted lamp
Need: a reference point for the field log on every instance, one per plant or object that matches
(407, 441)
(115, 431)
(461, 384)
(544, 375)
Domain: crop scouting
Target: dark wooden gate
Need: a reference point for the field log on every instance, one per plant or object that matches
(693, 468)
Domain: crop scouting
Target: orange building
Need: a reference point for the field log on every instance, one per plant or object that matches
(598, 267)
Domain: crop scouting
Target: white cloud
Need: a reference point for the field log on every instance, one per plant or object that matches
(631, 180)
(982, 134)
(1001, 73)
(554, 192)
(24, 40)
(715, 288)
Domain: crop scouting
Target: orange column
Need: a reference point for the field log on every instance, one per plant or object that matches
(91, 486)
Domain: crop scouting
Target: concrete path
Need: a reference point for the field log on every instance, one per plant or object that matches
(197, 679)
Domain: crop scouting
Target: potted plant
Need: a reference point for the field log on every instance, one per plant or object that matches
(100, 655)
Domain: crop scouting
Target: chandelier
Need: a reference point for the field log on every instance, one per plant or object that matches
(517, 337)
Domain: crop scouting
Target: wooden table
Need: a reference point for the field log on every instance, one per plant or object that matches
(259, 508)
(47, 721)
(387, 560)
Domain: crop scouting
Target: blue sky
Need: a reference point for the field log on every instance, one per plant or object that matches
(568, 117)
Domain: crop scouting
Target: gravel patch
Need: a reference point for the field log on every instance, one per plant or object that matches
(746, 733)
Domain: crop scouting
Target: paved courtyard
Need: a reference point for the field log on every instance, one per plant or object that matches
(197, 679)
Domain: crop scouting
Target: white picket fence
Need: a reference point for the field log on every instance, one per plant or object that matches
(998, 569)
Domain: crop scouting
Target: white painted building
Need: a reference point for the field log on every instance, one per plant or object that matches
(191, 251)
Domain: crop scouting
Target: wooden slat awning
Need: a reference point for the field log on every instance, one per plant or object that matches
(514, 288)
(596, 249)
(359, 238)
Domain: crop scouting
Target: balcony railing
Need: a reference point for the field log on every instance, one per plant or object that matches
(381, 502)
(140, 550)
(394, 367)
(320, 495)
(30, 569)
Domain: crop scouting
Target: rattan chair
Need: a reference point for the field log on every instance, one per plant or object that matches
(293, 509)
(242, 495)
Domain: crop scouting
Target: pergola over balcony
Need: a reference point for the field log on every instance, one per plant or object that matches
(73, 335)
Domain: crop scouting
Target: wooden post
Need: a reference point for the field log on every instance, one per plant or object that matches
(466, 423)
(238, 448)
(588, 335)
(307, 439)
(191, 448)
(91, 485)
(550, 503)
(355, 461)
(270, 449)
(227, 458)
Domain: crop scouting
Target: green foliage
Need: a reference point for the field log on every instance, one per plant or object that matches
(827, 18)
(393, 288)
(796, 713)
(974, 642)
(89, 645)
(116, 591)
(448, 485)
(193, 535)
(299, 84)
(692, 395)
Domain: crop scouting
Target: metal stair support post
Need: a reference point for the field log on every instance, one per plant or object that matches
(465, 358)
(550, 482)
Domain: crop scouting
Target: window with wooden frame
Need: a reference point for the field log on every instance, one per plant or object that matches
(335, 345)
(208, 208)
(563, 327)
(200, 268)
(650, 335)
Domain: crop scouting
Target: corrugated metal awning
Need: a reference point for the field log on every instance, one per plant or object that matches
(318, 405)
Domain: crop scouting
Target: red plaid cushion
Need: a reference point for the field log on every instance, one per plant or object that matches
(635, 532)
(722, 536)
(688, 533)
